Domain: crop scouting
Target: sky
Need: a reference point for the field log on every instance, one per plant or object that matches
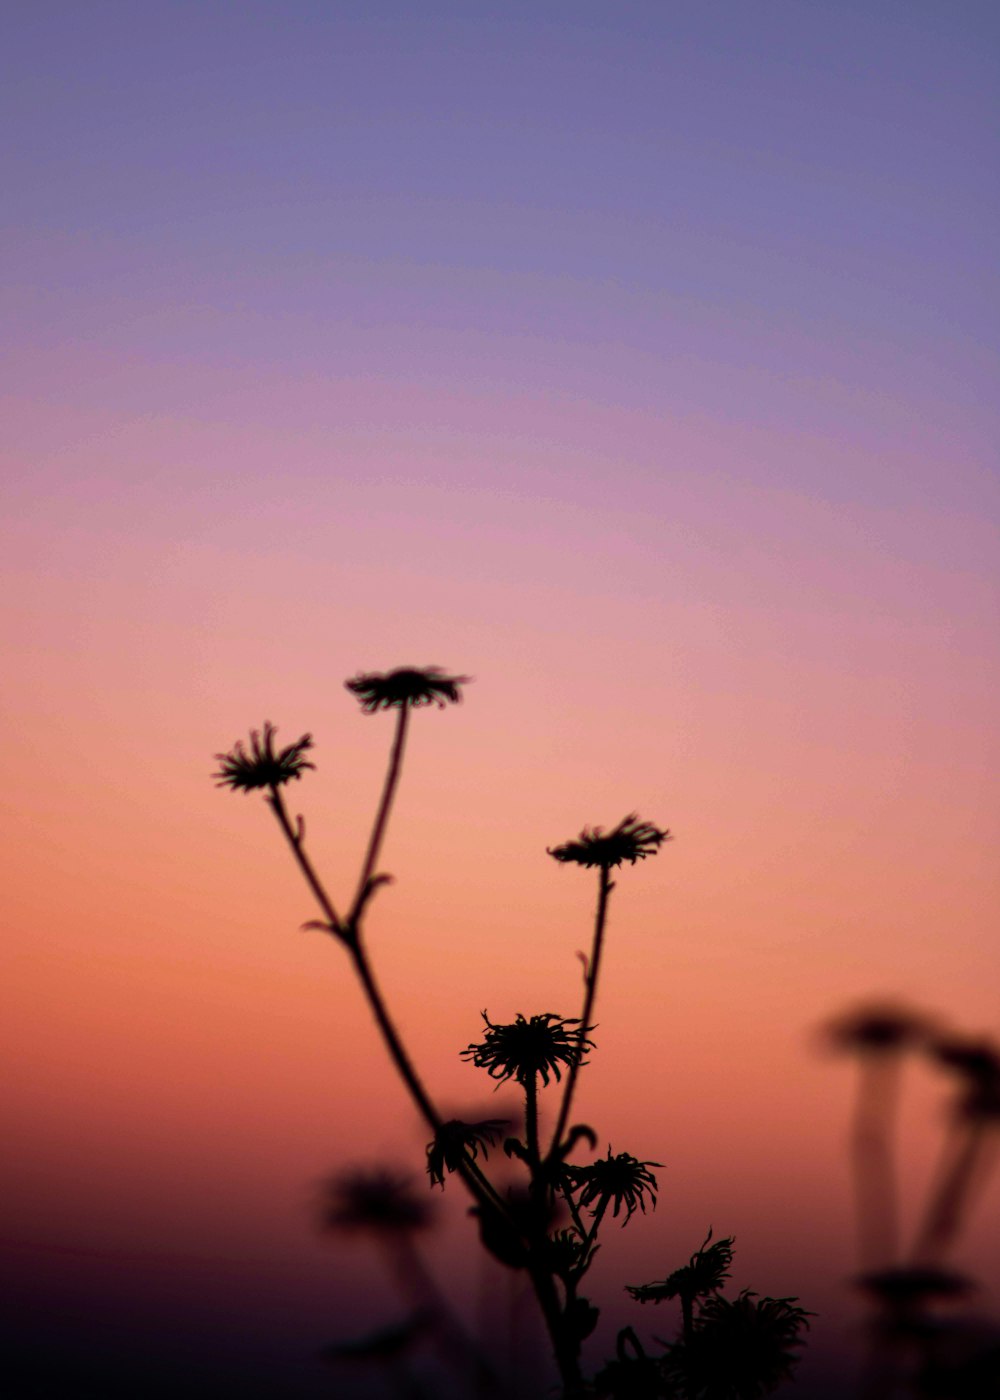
(635, 360)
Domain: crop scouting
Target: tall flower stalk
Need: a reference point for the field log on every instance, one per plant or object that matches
(630, 840)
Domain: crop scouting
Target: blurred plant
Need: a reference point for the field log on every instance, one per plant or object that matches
(879, 1034)
(917, 1349)
(547, 1226)
(383, 1205)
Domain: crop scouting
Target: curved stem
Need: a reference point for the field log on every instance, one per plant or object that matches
(602, 1206)
(472, 1172)
(390, 1035)
(565, 1345)
(574, 1213)
(478, 1185)
(294, 839)
(687, 1316)
(593, 967)
(382, 815)
(872, 1153)
(947, 1208)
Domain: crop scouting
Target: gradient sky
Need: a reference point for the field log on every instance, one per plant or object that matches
(638, 360)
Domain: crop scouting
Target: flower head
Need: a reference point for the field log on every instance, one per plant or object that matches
(373, 1199)
(622, 1179)
(454, 1139)
(878, 1028)
(744, 1346)
(976, 1063)
(407, 686)
(631, 840)
(706, 1272)
(262, 767)
(914, 1284)
(525, 1048)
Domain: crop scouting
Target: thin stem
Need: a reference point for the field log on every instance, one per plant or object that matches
(872, 1152)
(477, 1183)
(593, 967)
(565, 1346)
(352, 938)
(390, 1035)
(531, 1125)
(944, 1215)
(602, 1206)
(687, 1316)
(472, 1172)
(382, 816)
(574, 1212)
(294, 839)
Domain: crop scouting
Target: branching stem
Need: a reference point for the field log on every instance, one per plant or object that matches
(350, 935)
(385, 805)
(593, 968)
(294, 840)
(390, 1035)
(565, 1343)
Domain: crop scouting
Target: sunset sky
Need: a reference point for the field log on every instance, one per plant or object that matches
(637, 360)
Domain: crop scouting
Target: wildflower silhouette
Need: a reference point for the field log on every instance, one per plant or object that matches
(623, 1180)
(631, 840)
(706, 1272)
(262, 767)
(376, 1200)
(456, 1141)
(529, 1047)
(740, 1348)
(406, 687)
(728, 1349)
(546, 1225)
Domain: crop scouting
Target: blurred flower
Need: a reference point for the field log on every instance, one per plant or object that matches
(407, 686)
(525, 1048)
(878, 1026)
(977, 1064)
(262, 767)
(505, 1232)
(622, 1179)
(387, 1344)
(631, 840)
(454, 1139)
(914, 1284)
(374, 1199)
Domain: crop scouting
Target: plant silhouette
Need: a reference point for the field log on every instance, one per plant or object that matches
(547, 1227)
(919, 1346)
